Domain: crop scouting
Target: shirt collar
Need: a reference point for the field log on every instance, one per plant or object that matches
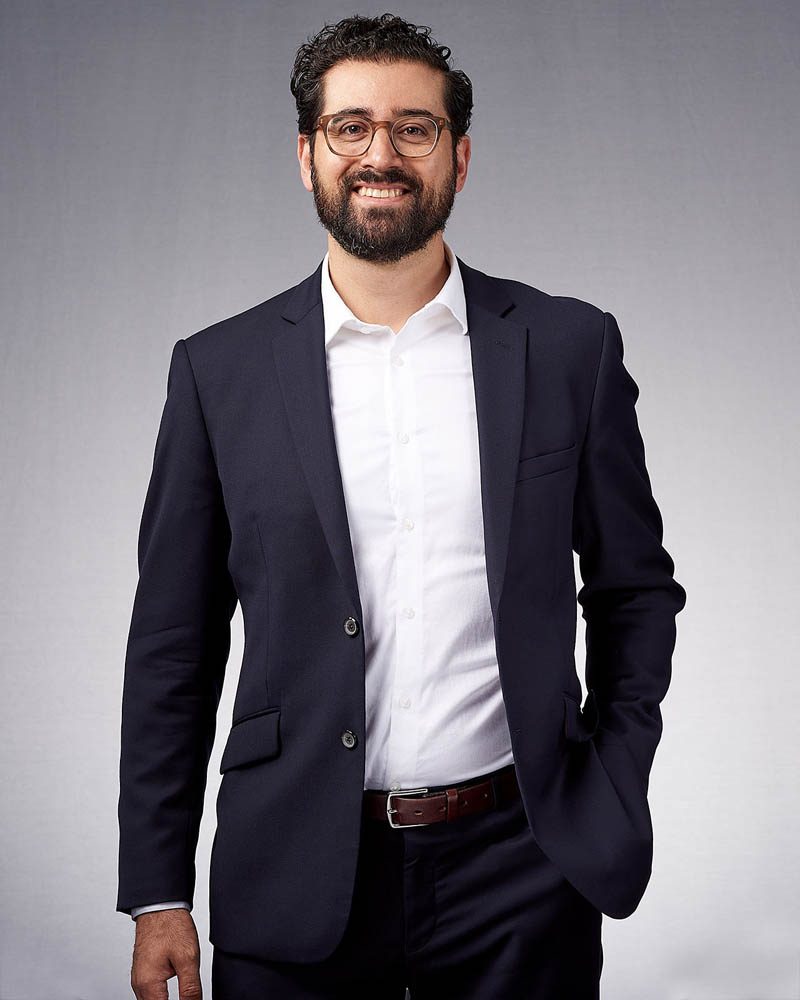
(337, 314)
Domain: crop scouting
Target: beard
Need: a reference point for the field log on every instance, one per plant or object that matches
(384, 234)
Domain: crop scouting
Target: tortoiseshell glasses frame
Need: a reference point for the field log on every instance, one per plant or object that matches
(440, 123)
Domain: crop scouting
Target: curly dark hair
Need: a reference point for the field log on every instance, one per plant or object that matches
(386, 39)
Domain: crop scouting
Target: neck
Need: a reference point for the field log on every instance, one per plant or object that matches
(388, 293)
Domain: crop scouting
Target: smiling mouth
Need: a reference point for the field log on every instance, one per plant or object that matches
(379, 194)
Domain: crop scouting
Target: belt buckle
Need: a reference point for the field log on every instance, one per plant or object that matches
(403, 792)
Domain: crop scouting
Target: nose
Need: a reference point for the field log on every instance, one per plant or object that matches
(381, 152)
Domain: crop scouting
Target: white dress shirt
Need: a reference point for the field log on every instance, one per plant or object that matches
(404, 417)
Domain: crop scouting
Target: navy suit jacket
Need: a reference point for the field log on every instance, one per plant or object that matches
(245, 503)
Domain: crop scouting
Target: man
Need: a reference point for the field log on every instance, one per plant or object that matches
(389, 465)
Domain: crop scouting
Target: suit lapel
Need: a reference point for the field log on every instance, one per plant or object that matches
(498, 350)
(301, 364)
(498, 346)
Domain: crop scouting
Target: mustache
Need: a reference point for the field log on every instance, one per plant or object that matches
(388, 179)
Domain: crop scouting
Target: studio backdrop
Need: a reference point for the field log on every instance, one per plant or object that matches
(641, 156)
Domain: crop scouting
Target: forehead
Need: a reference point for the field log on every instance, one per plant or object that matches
(383, 89)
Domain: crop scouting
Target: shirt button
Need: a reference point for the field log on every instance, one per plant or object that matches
(397, 361)
(405, 702)
(403, 438)
(351, 626)
(395, 785)
(408, 612)
(408, 524)
(349, 739)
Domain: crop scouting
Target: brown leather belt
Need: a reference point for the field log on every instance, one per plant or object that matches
(419, 807)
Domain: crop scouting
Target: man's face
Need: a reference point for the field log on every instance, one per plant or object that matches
(387, 229)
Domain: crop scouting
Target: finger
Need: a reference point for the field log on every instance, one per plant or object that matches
(190, 986)
(148, 986)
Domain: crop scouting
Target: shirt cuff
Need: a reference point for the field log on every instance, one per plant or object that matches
(136, 910)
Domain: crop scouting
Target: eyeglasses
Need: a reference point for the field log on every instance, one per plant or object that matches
(352, 135)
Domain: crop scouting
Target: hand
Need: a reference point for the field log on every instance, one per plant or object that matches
(166, 945)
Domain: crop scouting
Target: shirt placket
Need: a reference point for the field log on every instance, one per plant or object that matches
(406, 496)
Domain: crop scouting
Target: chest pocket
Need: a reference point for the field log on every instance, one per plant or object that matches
(549, 461)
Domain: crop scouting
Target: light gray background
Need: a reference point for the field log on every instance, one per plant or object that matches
(642, 156)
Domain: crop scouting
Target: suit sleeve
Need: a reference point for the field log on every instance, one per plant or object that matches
(629, 596)
(177, 650)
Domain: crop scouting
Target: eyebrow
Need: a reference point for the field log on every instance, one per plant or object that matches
(395, 111)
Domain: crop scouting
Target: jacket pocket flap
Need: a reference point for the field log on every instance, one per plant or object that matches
(252, 739)
(550, 461)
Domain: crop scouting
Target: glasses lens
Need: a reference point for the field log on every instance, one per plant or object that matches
(349, 135)
(414, 136)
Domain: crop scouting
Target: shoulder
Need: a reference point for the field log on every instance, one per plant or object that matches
(227, 337)
(567, 319)
(564, 307)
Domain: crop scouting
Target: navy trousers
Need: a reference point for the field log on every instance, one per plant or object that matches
(468, 910)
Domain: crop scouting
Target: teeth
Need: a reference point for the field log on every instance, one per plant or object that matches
(367, 192)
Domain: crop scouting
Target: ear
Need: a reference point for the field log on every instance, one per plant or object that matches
(463, 153)
(304, 159)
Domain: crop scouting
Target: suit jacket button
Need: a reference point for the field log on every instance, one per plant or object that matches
(349, 739)
(351, 626)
